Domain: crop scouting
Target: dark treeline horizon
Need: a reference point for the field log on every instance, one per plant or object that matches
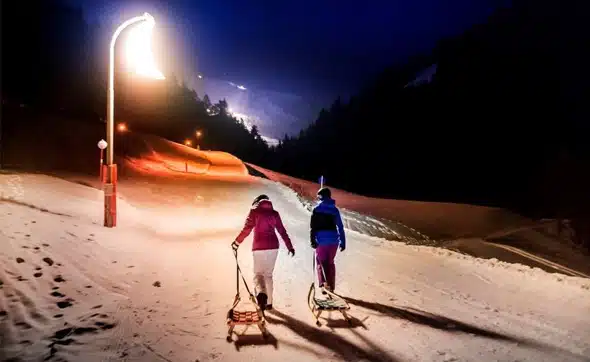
(503, 122)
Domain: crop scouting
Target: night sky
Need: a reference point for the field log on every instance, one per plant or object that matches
(293, 57)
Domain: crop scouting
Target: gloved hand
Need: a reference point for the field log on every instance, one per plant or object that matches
(314, 244)
(235, 246)
(292, 252)
(342, 247)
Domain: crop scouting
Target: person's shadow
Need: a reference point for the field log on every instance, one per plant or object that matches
(329, 340)
(454, 326)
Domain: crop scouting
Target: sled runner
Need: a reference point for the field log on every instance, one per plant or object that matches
(332, 302)
(246, 318)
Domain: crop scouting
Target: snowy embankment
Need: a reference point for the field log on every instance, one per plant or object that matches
(483, 232)
(158, 286)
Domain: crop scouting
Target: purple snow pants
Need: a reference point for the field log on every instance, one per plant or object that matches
(325, 255)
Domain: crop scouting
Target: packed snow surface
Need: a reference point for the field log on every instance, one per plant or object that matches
(158, 286)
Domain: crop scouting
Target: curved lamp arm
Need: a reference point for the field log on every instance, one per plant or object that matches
(111, 89)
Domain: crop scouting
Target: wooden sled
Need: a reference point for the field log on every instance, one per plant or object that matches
(248, 317)
(333, 302)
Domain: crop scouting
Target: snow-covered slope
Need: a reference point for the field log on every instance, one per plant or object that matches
(157, 287)
(484, 232)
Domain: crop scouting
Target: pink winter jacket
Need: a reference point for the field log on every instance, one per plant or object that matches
(264, 220)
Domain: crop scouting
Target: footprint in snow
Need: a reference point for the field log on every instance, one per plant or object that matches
(57, 294)
(64, 303)
(20, 260)
(48, 261)
(23, 325)
(44, 244)
(37, 275)
(59, 279)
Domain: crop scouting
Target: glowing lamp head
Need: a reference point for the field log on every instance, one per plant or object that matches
(139, 49)
(122, 127)
(199, 133)
(187, 142)
(102, 144)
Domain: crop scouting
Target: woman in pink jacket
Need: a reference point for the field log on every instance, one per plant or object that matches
(264, 220)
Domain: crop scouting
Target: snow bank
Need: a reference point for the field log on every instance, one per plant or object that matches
(154, 155)
(390, 220)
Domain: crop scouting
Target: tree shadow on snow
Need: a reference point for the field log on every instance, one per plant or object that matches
(327, 339)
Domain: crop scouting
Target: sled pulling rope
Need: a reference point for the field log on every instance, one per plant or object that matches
(247, 318)
(332, 302)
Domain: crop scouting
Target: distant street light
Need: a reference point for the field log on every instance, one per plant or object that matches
(121, 127)
(199, 134)
(140, 55)
(188, 143)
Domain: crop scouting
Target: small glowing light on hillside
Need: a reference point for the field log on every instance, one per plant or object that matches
(213, 110)
(139, 50)
(200, 76)
(198, 134)
(122, 127)
(241, 87)
(188, 143)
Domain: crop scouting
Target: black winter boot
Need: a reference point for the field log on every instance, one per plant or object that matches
(262, 298)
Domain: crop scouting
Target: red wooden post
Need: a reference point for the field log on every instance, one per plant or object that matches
(110, 195)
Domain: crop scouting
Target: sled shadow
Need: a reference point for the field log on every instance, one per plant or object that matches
(342, 323)
(344, 349)
(245, 340)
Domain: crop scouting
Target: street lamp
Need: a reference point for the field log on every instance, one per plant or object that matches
(121, 127)
(140, 54)
(188, 143)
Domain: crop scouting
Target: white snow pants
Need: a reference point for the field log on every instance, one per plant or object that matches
(264, 265)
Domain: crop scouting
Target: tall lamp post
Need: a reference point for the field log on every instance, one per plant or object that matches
(139, 51)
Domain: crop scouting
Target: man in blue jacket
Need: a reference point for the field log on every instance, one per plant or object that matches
(327, 234)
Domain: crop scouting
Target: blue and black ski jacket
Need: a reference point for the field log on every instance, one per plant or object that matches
(326, 224)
